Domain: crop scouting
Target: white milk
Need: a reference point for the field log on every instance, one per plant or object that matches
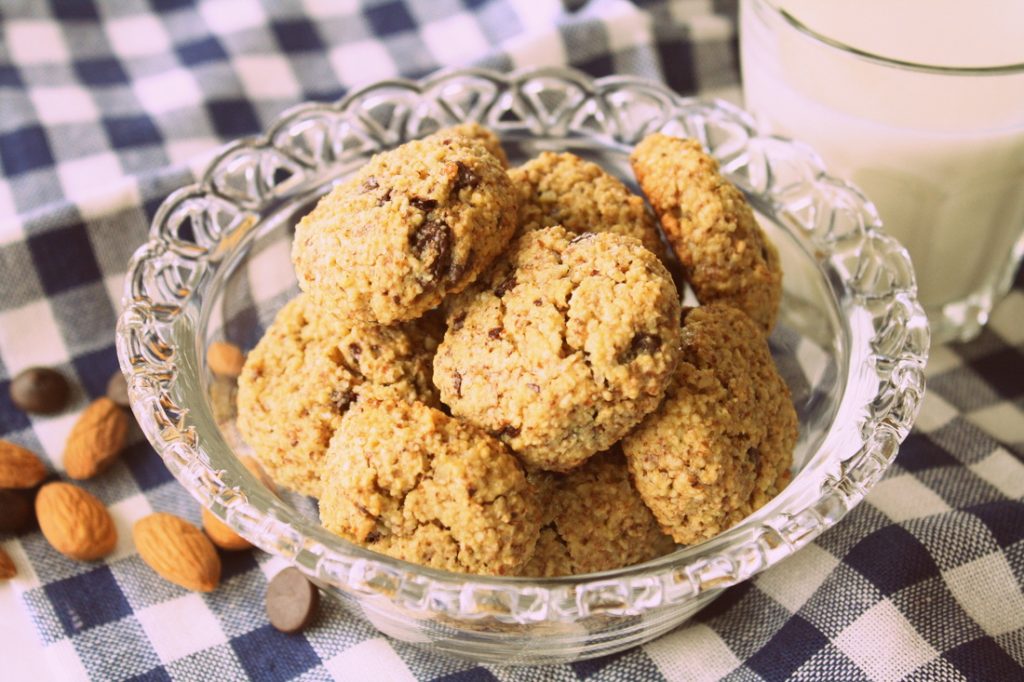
(941, 155)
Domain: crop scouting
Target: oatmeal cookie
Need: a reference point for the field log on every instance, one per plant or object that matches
(563, 189)
(726, 254)
(478, 133)
(414, 224)
(721, 444)
(562, 346)
(594, 520)
(405, 480)
(301, 378)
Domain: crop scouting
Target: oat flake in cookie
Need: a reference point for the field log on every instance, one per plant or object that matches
(721, 444)
(414, 224)
(594, 520)
(305, 373)
(562, 346)
(711, 227)
(408, 481)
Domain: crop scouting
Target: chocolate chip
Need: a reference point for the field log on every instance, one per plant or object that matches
(384, 198)
(292, 601)
(423, 204)
(457, 269)
(494, 333)
(369, 184)
(372, 537)
(465, 177)
(533, 387)
(506, 286)
(457, 383)
(432, 245)
(642, 344)
(117, 389)
(510, 431)
(17, 510)
(458, 321)
(342, 399)
(355, 350)
(39, 390)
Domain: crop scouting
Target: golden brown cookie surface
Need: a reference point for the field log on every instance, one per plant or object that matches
(478, 133)
(562, 346)
(405, 480)
(721, 443)
(563, 189)
(306, 371)
(414, 224)
(594, 520)
(726, 255)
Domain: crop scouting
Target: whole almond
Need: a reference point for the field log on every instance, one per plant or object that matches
(221, 533)
(225, 359)
(96, 439)
(75, 522)
(257, 470)
(7, 569)
(19, 467)
(177, 551)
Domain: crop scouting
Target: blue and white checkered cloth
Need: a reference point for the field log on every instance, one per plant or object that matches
(104, 109)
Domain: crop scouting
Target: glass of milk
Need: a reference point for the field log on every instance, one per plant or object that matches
(921, 104)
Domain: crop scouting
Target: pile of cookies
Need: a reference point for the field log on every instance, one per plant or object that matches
(490, 370)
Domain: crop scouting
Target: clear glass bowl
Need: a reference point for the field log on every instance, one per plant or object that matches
(851, 342)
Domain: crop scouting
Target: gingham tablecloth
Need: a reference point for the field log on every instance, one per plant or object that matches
(104, 108)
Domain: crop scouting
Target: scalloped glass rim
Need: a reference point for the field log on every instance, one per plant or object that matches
(869, 275)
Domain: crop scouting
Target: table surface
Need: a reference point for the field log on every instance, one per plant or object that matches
(109, 106)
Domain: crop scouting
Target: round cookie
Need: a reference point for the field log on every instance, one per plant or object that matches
(478, 133)
(405, 480)
(726, 255)
(414, 224)
(562, 346)
(306, 371)
(563, 189)
(594, 520)
(721, 444)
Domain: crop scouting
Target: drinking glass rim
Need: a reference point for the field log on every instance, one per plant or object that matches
(996, 70)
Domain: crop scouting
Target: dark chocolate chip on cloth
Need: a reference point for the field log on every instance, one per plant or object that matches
(106, 105)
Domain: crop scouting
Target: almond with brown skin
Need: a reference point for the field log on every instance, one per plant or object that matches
(96, 439)
(221, 533)
(19, 467)
(257, 470)
(177, 551)
(7, 569)
(75, 522)
(225, 359)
